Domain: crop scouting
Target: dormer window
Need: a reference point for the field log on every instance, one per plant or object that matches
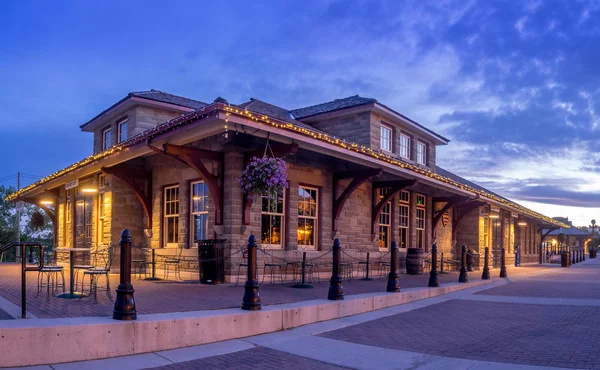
(122, 130)
(106, 139)
(386, 138)
(404, 146)
(421, 153)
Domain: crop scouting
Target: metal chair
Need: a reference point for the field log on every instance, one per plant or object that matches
(138, 259)
(50, 273)
(272, 264)
(346, 268)
(103, 259)
(86, 262)
(293, 260)
(243, 251)
(173, 262)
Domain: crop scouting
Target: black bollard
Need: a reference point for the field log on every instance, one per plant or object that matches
(393, 284)
(434, 282)
(336, 292)
(463, 278)
(125, 303)
(572, 257)
(503, 273)
(442, 264)
(486, 266)
(583, 254)
(251, 300)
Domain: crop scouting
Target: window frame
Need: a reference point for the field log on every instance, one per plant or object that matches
(390, 139)
(106, 144)
(421, 208)
(315, 218)
(282, 215)
(205, 212)
(165, 243)
(424, 153)
(120, 124)
(401, 147)
(404, 229)
(386, 211)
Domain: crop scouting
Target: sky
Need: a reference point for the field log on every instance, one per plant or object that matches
(514, 85)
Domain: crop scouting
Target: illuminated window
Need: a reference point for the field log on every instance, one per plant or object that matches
(386, 138)
(385, 221)
(403, 220)
(272, 221)
(122, 131)
(171, 216)
(420, 221)
(421, 155)
(404, 146)
(308, 205)
(199, 210)
(486, 231)
(106, 139)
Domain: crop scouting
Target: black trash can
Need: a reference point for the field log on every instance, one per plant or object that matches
(564, 259)
(210, 261)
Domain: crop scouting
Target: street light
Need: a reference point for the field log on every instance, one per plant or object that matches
(592, 248)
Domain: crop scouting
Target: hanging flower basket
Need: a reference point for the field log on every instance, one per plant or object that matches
(264, 176)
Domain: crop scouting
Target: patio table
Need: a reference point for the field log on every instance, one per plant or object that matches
(72, 293)
(152, 263)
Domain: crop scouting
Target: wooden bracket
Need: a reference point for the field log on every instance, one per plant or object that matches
(358, 178)
(451, 202)
(193, 158)
(142, 188)
(462, 211)
(51, 214)
(551, 229)
(279, 151)
(394, 188)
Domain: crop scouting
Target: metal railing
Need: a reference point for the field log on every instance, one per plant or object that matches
(25, 268)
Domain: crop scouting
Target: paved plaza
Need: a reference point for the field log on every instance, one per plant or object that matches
(540, 317)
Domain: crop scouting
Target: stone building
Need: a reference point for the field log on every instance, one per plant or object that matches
(167, 168)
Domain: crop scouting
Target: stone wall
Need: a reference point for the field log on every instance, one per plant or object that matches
(353, 127)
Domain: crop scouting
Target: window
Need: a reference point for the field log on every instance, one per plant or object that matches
(404, 212)
(84, 218)
(404, 146)
(122, 131)
(171, 216)
(385, 221)
(101, 200)
(420, 221)
(106, 139)
(272, 221)
(421, 155)
(199, 210)
(486, 231)
(308, 205)
(386, 138)
(69, 228)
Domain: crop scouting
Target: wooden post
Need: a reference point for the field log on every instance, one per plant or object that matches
(463, 278)
(434, 281)
(251, 300)
(336, 292)
(393, 284)
(125, 303)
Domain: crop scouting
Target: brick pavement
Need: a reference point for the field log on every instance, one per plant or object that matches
(542, 335)
(250, 359)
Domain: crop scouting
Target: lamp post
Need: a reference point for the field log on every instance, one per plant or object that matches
(592, 248)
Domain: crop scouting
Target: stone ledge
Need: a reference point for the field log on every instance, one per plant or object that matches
(90, 338)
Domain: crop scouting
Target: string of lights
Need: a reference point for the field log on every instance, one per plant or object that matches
(215, 108)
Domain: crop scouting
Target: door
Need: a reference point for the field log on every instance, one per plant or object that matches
(84, 222)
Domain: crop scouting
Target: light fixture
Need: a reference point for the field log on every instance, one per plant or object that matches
(522, 223)
(89, 187)
(494, 215)
(46, 202)
(196, 197)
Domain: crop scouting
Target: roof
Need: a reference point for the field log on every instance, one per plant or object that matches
(249, 110)
(337, 104)
(354, 101)
(156, 95)
(440, 171)
(573, 231)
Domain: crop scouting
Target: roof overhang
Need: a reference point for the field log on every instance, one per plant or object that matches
(209, 120)
(123, 105)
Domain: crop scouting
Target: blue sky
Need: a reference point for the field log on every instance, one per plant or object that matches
(514, 84)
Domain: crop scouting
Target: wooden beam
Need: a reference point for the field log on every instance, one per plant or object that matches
(358, 178)
(193, 158)
(279, 151)
(143, 191)
(551, 229)
(394, 188)
(462, 211)
(451, 202)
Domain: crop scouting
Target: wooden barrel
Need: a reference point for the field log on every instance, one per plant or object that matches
(415, 261)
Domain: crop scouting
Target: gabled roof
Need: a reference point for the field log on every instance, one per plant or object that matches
(282, 114)
(169, 98)
(337, 104)
(573, 231)
(440, 171)
(156, 95)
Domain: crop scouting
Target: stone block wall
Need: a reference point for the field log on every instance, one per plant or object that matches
(352, 127)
